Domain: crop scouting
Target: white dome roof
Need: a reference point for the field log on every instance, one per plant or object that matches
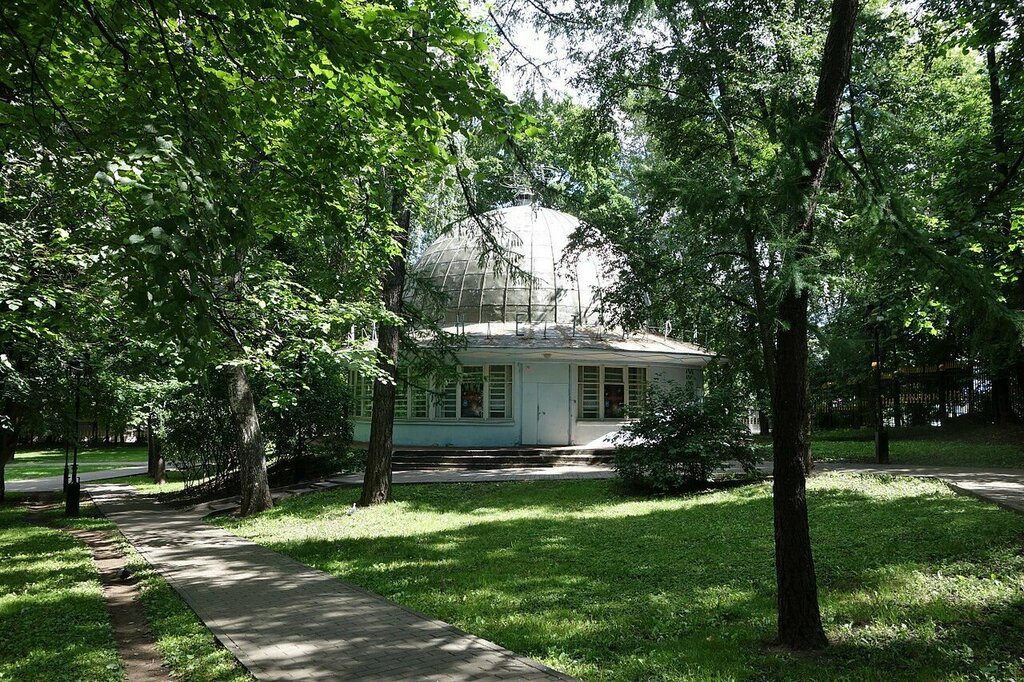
(540, 286)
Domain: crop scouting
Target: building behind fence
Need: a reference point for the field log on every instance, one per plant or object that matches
(915, 396)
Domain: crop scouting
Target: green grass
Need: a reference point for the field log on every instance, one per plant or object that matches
(145, 485)
(188, 648)
(975, 448)
(125, 453)
(916, 582)
(51, 462)
(53, 621)
(26, 473)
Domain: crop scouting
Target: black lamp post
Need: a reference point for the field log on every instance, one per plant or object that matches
(67, 449)
(881, 436)
(73, 490)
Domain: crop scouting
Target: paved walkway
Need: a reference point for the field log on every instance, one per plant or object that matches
(1004, 487)
(286, 621)
(54, 484)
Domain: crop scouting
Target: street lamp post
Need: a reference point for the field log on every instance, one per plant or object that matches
(73, 490)
(881, 436)
(67, 451)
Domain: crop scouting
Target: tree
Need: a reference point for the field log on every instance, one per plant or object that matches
(377, 479)
(230, 148)
(732, 110)
(797, 592)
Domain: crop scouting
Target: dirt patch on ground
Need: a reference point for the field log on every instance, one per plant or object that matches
(136, 644)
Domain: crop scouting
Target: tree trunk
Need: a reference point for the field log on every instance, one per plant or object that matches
(1002, 406)
(252, 460)
(8, 443)
(799, 616)
(377, 479)
(155, 460)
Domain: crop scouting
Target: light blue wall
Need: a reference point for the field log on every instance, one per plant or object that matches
(533, 376)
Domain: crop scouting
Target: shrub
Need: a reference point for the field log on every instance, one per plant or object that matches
(198, 436)
(677, 441)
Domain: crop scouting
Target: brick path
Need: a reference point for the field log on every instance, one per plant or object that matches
(286, 621)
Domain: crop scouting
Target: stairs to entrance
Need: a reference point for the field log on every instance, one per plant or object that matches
(498, 458)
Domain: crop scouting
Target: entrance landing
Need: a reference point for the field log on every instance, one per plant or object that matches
(521, 457)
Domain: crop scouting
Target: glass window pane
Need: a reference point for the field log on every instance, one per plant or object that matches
(499, 388)
(420, 403)
(637, 385)
(588, 395)
(472, 393)
(448, 402)
(401, 401)
(614, 400)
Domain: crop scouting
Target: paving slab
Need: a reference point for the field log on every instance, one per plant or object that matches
(286, 621)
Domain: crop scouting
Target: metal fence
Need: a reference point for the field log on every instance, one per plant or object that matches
(913, 396)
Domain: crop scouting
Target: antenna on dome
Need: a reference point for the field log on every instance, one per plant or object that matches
(525, 197)
(522, 182)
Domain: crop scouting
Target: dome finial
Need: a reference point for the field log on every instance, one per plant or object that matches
(525, 197)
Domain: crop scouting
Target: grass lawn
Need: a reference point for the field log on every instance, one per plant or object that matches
(55, 623)
(144, 484)
(916, 583)
(53, 620)
(188, 648)
(981, 447)
(22, 473)
(54, 456)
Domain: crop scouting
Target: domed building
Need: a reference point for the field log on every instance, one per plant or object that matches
(539, 367)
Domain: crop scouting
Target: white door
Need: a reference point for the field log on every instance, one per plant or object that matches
(552, 414)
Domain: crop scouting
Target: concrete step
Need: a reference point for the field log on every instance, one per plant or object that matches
(496, 459)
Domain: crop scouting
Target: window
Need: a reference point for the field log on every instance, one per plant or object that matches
(692, 376)
(588, 400)
(637, 387)
(362, 396)
(499, 391)
(419, 402)
(448, 402)
(471, 393)
(608, 392)
(480, 392)
(614, 393)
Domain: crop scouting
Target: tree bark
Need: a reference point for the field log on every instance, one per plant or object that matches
(156, 468)
(377, 479)
(15, 412)
(1002, 406)
(8, 442)
(799, 617)
(252, 460)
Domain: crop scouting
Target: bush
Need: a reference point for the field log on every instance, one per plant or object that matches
(676, 441)
(198, 436)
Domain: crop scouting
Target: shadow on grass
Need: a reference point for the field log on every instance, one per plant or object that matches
(52, 612)
(668, 588)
